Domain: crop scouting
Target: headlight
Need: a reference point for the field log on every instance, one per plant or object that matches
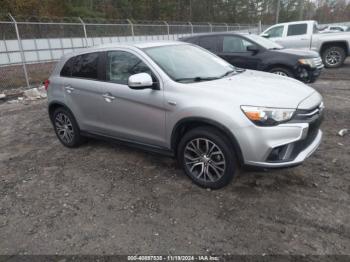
(308, 61)
(267, 116)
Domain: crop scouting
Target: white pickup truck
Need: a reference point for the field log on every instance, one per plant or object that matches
(333, 47)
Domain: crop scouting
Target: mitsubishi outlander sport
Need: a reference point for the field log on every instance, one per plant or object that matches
(181, 100)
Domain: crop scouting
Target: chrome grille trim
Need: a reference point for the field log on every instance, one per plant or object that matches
(318, 62)
(316, 111)
(302, 114)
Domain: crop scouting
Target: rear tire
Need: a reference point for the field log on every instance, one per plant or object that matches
(207, 157)
(333, 56)
(282, 71)
(66, 128)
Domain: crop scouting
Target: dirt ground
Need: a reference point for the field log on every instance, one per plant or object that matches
(12, 77)
(108, 199)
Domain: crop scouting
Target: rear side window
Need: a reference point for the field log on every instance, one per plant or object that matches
(85, 66)
(337, 28)
(67, 68)
(299, 29)
(209, 42)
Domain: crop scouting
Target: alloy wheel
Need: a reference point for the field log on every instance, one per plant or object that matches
(204, 160)
(64, 128)
(280, 73)
(333, 57)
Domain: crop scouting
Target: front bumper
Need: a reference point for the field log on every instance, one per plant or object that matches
(308, 151)
(307, 74)
(284, 145)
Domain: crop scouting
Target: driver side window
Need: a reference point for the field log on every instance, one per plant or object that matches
(121, 65)
(276, 31)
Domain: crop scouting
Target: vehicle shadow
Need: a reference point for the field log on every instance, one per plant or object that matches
(341, 73)
(246, 181)
(273, 179)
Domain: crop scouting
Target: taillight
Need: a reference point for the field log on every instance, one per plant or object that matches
(46, 84)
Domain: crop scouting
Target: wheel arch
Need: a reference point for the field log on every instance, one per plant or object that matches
(279, 65)
(57, 104)
(342, 44)
(186, 124)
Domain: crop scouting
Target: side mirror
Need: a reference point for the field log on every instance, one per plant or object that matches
(140, 81)
(265, 35)
(253, 48)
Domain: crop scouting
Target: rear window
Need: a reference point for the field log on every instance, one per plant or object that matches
(299, 29)
(209, 42)
(85, 66)
(192, 40)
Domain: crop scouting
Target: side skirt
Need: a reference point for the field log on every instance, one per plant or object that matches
(130, 143)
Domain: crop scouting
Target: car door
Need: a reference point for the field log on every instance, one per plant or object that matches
(297, 36)
(136, 115)
(82, 89)
(233, 49)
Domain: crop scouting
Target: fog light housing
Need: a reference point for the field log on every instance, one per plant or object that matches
(278, 154)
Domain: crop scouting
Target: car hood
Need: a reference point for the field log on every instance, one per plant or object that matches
(258, 89)
(298, 52)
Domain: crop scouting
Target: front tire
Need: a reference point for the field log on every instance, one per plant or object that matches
(282, 71)
(207, 157)
(66, 128)
(333, 56)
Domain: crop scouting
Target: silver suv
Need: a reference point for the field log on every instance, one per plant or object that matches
(179, 99)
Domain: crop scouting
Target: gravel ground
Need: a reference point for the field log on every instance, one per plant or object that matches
(104, 198)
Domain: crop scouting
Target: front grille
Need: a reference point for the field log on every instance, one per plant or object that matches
(309, 115)
(310, 137)
(289, 152)
(312, 116)
(318, 62)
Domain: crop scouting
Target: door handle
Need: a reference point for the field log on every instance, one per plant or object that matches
(69, 89)
(108, 97)
(171, 102)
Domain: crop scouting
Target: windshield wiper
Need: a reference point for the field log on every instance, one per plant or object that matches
(240, 70)
(200, 78)
(237, 70)
(229, 72)
(196, 79)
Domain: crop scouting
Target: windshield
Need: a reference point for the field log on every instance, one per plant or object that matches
(266, 43)
(187, 63)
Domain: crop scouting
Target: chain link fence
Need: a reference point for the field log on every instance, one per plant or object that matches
(30, 47)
